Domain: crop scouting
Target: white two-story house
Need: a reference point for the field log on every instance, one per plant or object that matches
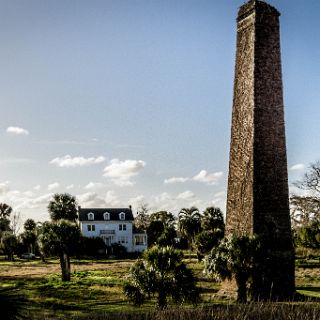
(113, 225)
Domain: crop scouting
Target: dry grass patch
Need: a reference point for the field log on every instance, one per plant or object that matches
(95, 291)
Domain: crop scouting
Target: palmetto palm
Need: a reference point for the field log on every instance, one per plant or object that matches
(161, 273)
(63, 206)
(189, 223)
(234, 258)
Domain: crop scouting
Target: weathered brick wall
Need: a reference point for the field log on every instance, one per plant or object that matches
(240, 182)
(258, 182)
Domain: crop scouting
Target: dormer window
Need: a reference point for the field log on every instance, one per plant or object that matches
(90, 216)
(122, 216)
(106, 216)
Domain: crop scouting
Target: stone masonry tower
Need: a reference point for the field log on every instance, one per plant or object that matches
(257, 201)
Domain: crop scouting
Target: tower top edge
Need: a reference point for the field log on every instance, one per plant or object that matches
(256, 6)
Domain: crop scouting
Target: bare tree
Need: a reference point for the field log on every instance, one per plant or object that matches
(15, 222)
(306, 208)
(142, 220)
(311, 179)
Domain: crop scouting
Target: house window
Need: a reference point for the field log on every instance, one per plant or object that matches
(139, 240)
(122, 239)
(106, 216)
(122, 227)
(91, 227)
(122, 216)
(90, 216)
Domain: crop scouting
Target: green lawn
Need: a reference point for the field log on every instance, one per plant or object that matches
(96, 286)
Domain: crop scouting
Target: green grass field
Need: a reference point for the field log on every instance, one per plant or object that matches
(96, 286)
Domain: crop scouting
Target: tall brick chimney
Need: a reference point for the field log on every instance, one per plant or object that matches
(257, 201)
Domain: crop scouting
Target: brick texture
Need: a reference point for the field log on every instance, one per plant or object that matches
(257, 201)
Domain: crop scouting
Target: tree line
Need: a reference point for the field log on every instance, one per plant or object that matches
(190, 230)
(161, 271)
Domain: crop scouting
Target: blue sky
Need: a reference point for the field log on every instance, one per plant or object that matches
(122, 102)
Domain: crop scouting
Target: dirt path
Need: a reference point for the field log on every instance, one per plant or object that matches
(23, 269)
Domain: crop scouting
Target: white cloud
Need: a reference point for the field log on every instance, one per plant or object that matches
(187, 195)
(111, 199)
(176, 180)
(93, 199)
(72, 162)
(202, 176)
(219, 194)
(4, 187)
(123, 182)
(219, 200)
(94, 185)
(53, 186)
(120, 172)
(24, 200)
(210, 178)
(174, 203)
(17, 131)
(165, 196)
(28, 193)
(70, 186)
(87, 197)
(297, 167)
(137, 201)
(37, 187)
(41, 200)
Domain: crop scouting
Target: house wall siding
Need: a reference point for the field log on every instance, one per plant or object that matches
(110, 226)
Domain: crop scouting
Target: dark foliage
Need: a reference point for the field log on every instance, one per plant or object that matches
(163, 274)
(234, 257)
(13, 306)
(161, 230)
(5, 210)
(92, 247)
(118, 250)
(63, 206)
(60, 238)
(308, 236)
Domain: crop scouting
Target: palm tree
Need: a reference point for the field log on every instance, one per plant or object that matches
(60, 238)
(234, 258)
(63, 206)
(5, 210)
(29, 236)
(189, 223)
(30, 225)
(161, 273)
(212, 219)
(212, 233)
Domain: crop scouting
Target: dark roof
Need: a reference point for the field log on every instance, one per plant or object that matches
(98, 213)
